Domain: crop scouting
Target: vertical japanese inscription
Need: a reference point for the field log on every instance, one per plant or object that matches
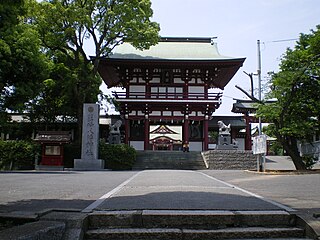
(90, 131)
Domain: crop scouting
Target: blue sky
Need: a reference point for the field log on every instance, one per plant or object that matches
(238, 24)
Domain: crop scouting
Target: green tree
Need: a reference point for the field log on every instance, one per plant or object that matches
(23, 64)
(296, 113)
(66, 26)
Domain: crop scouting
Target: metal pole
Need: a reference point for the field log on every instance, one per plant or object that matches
(260, 98)
(259, 81)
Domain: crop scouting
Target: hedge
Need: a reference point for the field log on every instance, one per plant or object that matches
(117, 156)
(18, 154)
(21, 155)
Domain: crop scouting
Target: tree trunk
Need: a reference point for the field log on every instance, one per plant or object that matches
(78, 136)
(291, 148)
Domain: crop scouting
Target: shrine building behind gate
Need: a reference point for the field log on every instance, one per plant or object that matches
(171, 91)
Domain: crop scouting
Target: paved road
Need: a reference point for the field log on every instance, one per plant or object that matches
(181, 190)
(38, 191)
(301, 192)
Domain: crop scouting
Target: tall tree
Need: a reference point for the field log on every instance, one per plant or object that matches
(67, 26)
(23, 64)
(296, 113)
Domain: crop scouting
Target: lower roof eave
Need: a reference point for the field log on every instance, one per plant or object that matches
(174, 101)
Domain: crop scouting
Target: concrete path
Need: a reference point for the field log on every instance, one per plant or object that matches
(283, 163)
(34, 194)
(180, 190)
(37, 192)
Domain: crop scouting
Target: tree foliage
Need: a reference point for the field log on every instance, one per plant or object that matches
(296, 113)
(66, 27)
(18, 155)
(46, 70)
(23, 64)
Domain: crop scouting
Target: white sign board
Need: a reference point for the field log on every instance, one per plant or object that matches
(259, 144)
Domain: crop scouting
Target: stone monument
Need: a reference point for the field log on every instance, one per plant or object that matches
(114, 135)
(90, 140)
(224, 139)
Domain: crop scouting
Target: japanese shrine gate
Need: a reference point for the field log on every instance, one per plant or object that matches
(175, 84)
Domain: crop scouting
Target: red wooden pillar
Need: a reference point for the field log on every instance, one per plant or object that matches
(146, 134)
(248, 141)
(127, 131)
(205, 134)
(233, 134)
(186, 131)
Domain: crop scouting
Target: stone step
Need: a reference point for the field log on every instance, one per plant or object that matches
(190, 219)
(177, 166)
(168, 160)
(192, 234)
(192, 224)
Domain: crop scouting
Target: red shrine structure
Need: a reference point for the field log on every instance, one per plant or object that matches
(171, 89)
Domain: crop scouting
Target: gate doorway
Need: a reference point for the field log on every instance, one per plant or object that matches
(165, 137)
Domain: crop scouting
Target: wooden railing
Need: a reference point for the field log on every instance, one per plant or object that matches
(167, 95)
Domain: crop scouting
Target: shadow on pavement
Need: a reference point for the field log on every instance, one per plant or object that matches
(39, 206)
(38, 172)
(187, 200)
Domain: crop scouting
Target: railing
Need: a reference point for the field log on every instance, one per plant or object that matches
(167, 95)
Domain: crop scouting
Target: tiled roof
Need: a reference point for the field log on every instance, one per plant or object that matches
(173, 49)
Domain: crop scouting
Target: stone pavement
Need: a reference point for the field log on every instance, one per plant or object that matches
(180, 190)
(283, 163)
(50, 196)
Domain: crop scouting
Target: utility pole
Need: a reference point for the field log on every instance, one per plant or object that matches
(262, 159)
(259, 81)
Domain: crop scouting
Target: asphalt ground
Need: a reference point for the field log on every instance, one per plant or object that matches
(181, 190)
(34, 192)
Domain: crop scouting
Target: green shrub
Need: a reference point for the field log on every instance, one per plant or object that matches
(18, 155)
(276, 148)
(117, 156)
(309, 160)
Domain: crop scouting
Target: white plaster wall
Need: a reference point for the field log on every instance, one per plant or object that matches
(133, 113)
(171, 89)
(137, 145)
(195, 146)
(241, 143)
(195, 90)
(140, 89)
(212, 146)
(178, 80)
(155, 113)
(199, 80)
(155, 80)
(176, 113)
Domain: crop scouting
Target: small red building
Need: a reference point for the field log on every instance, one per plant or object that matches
(52, 146)
(176, 83)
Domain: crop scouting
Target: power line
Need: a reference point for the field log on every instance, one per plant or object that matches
(284, 40)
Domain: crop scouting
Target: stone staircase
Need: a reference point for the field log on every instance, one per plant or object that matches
(180, 225)
(169, 160)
